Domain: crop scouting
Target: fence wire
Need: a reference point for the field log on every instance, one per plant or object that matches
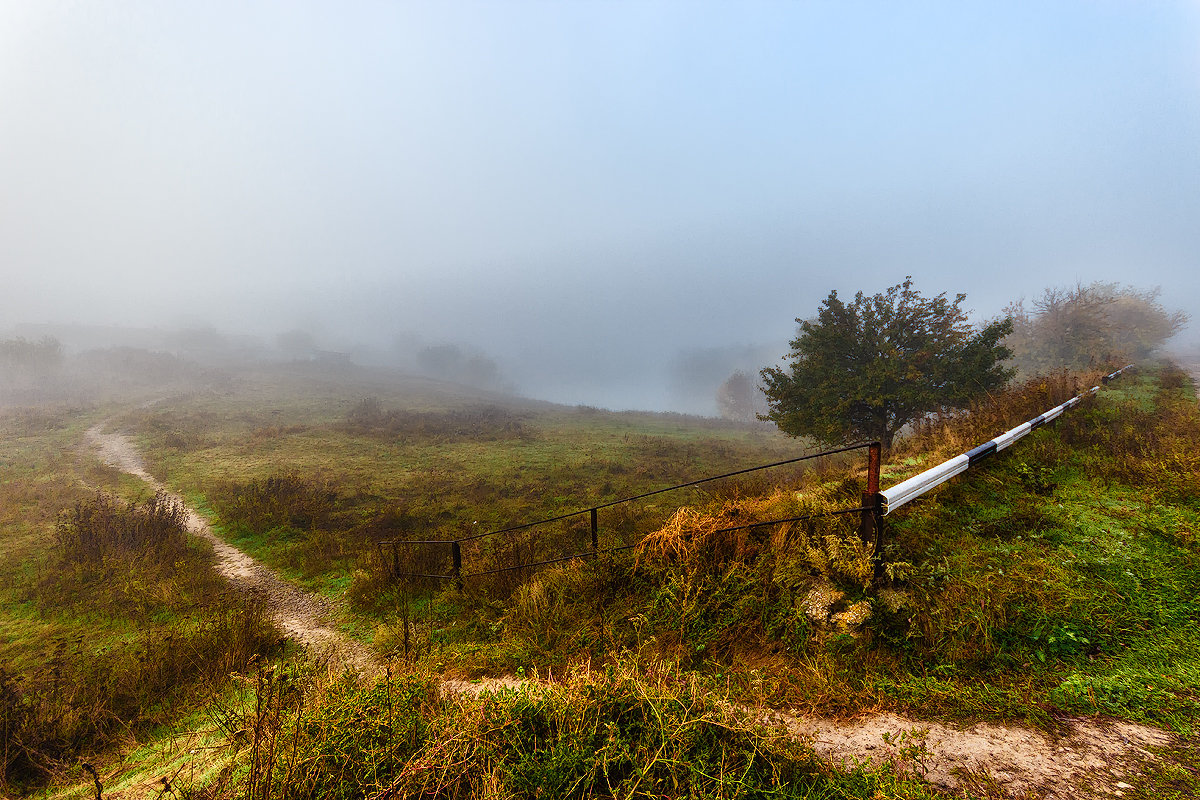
(525, 551)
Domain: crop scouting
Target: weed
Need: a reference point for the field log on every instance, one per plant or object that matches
(144, 627)
(636, 730)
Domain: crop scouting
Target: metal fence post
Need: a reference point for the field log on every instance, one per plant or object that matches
(595, 533)
(868, 528)
(456, 553)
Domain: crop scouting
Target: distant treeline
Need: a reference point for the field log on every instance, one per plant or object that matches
(22, 356)
(1085, 327)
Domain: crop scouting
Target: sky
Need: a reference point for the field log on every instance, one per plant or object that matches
(585, 191)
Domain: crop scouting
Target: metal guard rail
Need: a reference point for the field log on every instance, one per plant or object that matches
(917, 485)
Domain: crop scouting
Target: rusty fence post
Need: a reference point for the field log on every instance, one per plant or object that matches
(595, 533)
(869, 524)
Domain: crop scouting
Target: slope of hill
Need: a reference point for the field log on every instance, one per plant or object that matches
(1055, 588)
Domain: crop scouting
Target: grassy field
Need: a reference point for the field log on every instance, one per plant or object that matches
(1059, 579)
(309, 481)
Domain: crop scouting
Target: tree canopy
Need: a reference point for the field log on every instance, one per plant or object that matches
(865, 369)
(1098, 325)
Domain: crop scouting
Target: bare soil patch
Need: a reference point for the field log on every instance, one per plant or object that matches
(1093, 759)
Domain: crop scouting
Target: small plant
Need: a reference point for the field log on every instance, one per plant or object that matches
(912, 750)
(1036, 478)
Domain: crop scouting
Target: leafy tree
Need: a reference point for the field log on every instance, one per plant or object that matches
(864, 370)
(1098, 325)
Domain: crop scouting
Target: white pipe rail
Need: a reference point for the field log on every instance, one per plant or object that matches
(917, 485)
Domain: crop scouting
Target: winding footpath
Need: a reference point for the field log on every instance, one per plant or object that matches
(301, 615)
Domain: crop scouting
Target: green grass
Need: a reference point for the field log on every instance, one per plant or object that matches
(1073, 598)
(1031, 590)
(1173, 774)
(634, 729)
(1060, 578)
(221, 451)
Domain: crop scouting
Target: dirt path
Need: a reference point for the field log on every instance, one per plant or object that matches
(1192, 368)
(302, 615)
(1094, 760)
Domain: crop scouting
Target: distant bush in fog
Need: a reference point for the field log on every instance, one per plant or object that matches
(483, 423)
(449, 362)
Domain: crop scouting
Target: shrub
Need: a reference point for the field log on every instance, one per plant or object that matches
(122, 561)
(85, 696)
(101, 528)
(279, 501)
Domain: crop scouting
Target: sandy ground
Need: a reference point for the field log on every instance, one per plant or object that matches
(1092, 760)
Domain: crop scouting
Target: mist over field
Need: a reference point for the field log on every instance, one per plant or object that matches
(614, 204)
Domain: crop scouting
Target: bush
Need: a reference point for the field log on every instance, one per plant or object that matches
(118, 562)
(101, 528)
(280, 501)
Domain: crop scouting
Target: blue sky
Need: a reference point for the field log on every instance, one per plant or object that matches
(586, 189)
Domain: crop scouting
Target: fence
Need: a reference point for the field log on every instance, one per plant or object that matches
(443, 559)
(446, 556)
(891, 499)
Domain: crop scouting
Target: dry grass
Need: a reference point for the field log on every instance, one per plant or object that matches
(636, 729)
(999, 411)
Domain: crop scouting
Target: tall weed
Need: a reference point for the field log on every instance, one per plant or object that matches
(633, 730)
(88, 696)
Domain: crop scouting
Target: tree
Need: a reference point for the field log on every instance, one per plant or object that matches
(866, 369)
(1098, 326)
(20, 356)
(450, 363)
(735, 398)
